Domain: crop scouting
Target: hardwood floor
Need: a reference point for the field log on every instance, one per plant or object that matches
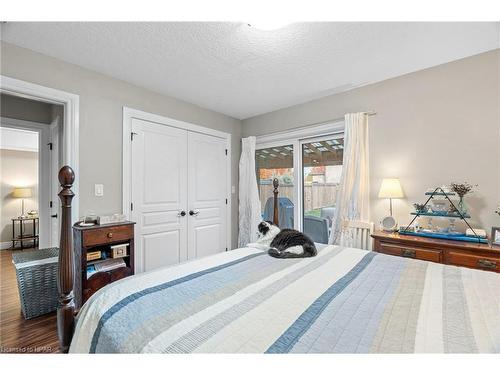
(17, 335)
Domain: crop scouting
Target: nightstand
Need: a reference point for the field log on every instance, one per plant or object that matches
(100, 238)
(22, 238)
(457, 253)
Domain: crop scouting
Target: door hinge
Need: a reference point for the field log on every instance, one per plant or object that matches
(50, 146)
(131, 206)
(226, 151)
(50, 204)
(132, 136)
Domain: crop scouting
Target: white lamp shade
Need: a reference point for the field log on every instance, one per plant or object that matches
(20, 192)
(390, 188)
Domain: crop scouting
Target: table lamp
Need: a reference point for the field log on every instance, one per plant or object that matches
(390, 188)
(22, 192)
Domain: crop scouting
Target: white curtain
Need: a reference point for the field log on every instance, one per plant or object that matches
(352, 201)
(249, 206)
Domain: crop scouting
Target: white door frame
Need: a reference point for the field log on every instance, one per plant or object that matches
(55, 132)
(70, 128)
(44, 180)
(296, 137)
(128, 115)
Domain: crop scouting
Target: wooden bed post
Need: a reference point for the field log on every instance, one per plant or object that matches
(66, 308)
(275, 205)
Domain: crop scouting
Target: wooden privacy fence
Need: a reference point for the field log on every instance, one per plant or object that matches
(316, 195)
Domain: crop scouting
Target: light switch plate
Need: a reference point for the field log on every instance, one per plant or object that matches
(99, 190)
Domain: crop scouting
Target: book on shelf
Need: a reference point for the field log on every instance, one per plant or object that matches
(93, 255)
(109, 265)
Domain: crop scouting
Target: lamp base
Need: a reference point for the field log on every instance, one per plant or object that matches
(22, 216)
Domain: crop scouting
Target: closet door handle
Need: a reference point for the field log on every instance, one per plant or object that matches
(194, 213)
(181, 213)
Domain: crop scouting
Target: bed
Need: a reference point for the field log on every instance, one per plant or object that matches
(344, 300)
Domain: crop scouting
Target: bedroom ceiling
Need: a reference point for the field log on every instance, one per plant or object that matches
(241, 71)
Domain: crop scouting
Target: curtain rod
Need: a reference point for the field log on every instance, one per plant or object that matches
(368, 113)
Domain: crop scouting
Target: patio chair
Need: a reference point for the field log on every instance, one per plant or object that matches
(316, 228)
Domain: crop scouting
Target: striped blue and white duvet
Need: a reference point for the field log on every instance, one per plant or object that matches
(342, 301)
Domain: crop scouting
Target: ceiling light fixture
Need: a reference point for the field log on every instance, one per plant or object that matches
(268, 25)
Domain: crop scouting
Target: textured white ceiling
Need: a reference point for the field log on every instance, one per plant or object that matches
(242, 72)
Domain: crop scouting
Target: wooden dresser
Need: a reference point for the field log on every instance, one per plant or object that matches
(458, 253)
(100, 238)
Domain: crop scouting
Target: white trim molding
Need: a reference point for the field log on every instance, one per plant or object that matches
(5, 245)
(128, 115)
(71, 123)
(304, 132)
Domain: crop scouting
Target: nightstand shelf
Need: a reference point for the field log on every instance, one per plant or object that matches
(452, 214)
(442, 193)
(445, 236)
(100, 238)
(449, 215)
(97, 261)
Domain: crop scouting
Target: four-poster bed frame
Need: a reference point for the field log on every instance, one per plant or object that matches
(372, 274)
(66, 310)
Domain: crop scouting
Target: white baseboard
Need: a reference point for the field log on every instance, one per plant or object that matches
(5, 245)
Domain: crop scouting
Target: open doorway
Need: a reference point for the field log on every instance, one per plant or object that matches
(30, 134)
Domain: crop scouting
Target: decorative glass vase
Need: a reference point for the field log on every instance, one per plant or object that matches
(461, 206)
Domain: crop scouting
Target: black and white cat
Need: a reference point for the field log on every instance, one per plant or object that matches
(283, 243)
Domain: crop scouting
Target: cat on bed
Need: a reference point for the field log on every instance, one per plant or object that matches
(283, 243)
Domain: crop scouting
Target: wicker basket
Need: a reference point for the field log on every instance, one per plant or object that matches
(36, 273)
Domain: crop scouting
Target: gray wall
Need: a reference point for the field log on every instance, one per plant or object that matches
(433, 127)
(101, 101)
(25, 109)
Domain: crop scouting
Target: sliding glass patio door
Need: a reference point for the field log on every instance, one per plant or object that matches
(308, 170)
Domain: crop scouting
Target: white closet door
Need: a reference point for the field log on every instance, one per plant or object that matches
(159, 194)
(207, 195)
